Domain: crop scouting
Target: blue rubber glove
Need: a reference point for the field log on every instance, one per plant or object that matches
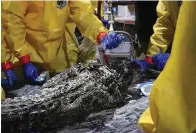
(31, 72)
(143, 65)
(159, 60)
(111, 40)
(4, 81)
(7, 67)
(11, 76)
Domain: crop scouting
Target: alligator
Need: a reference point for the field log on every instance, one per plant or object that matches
(69, 97)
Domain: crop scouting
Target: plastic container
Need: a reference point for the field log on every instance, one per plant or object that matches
(146, 89)
(125, 13)
(124, 47)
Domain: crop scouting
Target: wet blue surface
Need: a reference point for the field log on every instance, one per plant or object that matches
(122, 120)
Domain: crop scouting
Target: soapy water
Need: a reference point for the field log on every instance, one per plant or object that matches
(120, 120)
(26, 91)
(43, 77)
(125, 119)
(31, 89)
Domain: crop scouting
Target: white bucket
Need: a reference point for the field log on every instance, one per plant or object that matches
(146, 89)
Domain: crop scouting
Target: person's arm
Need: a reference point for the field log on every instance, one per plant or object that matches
(7, 58)
(14, 22)
(160, 40)
(2, 94)
(163, 30)
(6, 53)
(82, 14)
(13, 13)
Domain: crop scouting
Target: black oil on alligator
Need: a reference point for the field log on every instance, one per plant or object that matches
(69, 97)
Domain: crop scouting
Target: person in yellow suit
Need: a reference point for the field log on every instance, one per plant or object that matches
(8, 74)
(172, 105)
(72, 45)
(37, 32)
(87, 49)
(6, 55)
(164, 29)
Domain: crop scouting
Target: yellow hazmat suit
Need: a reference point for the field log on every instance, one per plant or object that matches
(72, 45)
(2, 94)
(38, 28)
(172, 107)
(87, 50)
(6, 53)
(164, 28)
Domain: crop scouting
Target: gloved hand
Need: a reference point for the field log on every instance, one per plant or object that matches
(143, 65)
(11, 76)
(159, 60)
(109, 40)
(7, 67)
(30, 71)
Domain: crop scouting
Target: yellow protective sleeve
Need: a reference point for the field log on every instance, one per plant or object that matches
(163, 29)
(13, 14)
(72, 49)
(172, 107)
(81, 12)
(6, 54)
(2, 94)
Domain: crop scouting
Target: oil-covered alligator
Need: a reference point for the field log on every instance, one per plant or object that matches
(69, 97)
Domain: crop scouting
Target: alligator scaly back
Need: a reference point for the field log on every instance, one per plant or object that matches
(67, 98)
